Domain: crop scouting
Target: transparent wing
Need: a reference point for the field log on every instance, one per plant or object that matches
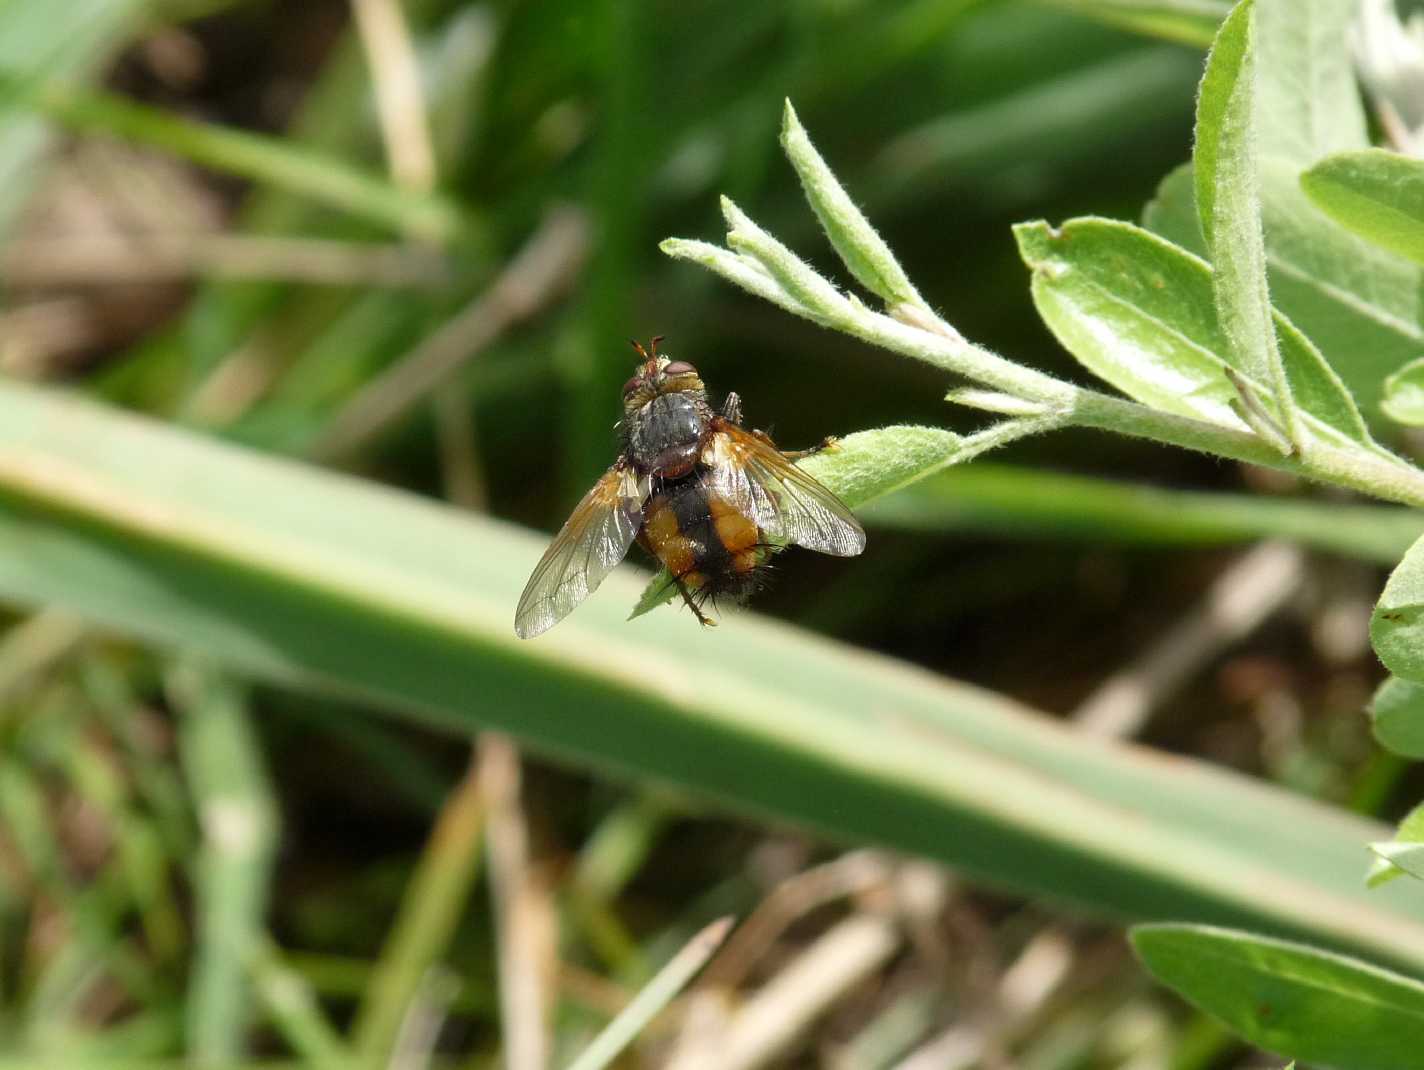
(594, 539)
(785, 502)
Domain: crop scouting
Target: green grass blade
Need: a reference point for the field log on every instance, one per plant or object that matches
(226, 776)
(1297, 1001)
(46, 41)
(294, 1011)
(430, 910)
(263, 159)
(317, 581)
(1025, 502)
(653, 997)
(1191, 22)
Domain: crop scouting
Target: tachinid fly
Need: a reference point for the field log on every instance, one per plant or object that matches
(708, 498)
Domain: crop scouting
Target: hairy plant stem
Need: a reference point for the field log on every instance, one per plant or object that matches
(769, 270)
(1360, 470)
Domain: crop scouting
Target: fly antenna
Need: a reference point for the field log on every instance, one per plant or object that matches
(654, 343)
(639, 347)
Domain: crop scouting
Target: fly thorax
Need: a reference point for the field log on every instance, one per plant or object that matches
(666, 435)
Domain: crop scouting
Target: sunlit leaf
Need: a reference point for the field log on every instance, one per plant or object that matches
(1406, 857)
(1307, 97)
(1404, 394)
(1375, 193)
(1398, 712)
(1294, 1000)
(1139, 312)
(1409, 833)
(1397, 626)
(1224, 167)
(1357, 302)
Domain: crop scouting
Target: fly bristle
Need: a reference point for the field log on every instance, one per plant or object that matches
(734, 588)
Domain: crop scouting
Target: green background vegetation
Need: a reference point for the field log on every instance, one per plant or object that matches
(259, 802)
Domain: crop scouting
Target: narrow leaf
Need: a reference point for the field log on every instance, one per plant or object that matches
(862, 250)
(1228, 201)
(870, 464)
(1034, 503)
(741, 271)
(263, 159)
(819, 299)
(1294, 1000)
(1398, 713)
(1410, 831)
(1139, 312)
(323, 583)
(653, 997)
(223, 762)
(41, 42)
(1407, 857)
(1375, 193)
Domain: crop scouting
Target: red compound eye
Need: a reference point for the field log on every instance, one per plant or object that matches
(631, 385)
(679, 367)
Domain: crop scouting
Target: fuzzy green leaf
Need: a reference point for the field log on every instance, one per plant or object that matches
(1287, 998)
(1223, 114)
(1307, 99)
(1139, 312)
(1229, 205)
(1404, 395)
(1375, 193)
(1398, 717)
(1358, 302)
(862, 250)
(1397, 626)
(870, 464)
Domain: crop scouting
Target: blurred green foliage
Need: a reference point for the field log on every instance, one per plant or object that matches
(194, 868)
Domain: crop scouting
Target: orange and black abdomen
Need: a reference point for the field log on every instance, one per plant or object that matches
(701, 539)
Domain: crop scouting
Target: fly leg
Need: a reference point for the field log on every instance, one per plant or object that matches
(830, 442)
(702, 618)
